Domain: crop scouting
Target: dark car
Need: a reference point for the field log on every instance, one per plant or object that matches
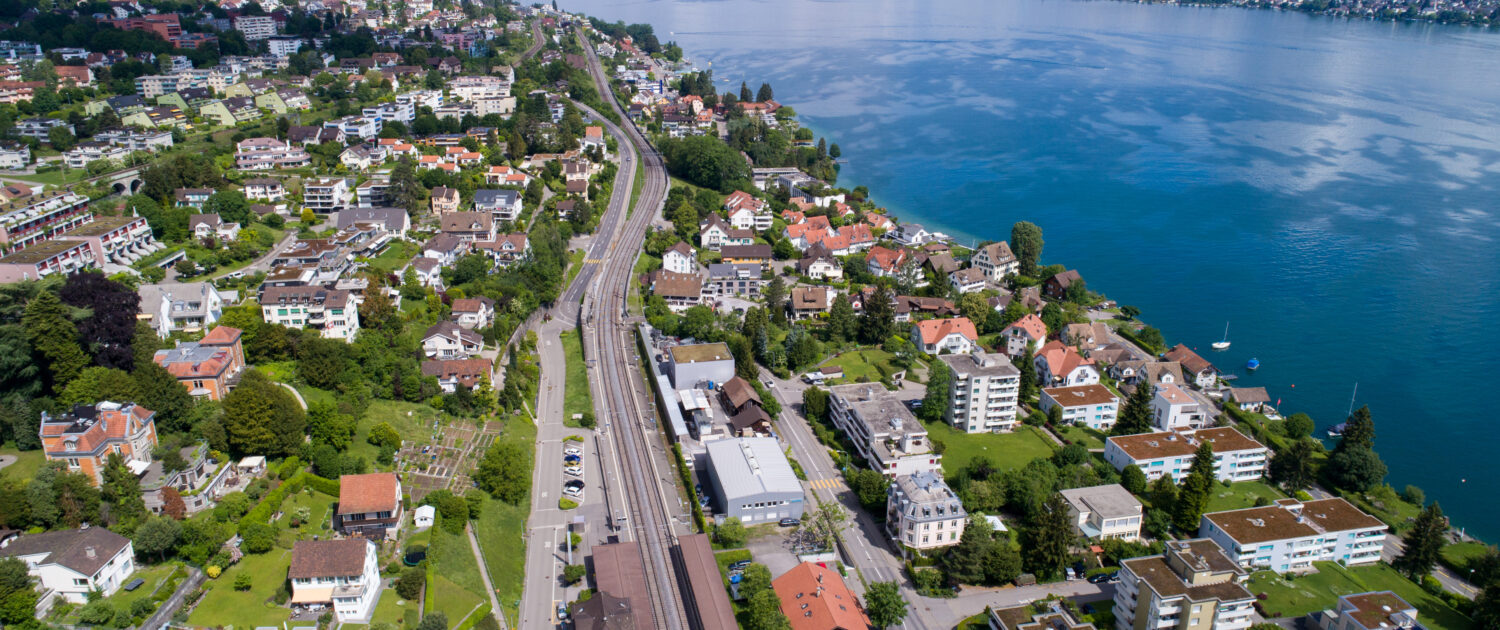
(789, 522)
(1098, 578)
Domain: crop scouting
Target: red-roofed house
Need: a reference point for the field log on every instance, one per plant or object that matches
(1029, 331)
(451, 373)
(1203, 373)
(884, 262)
(955, 335)
(1058, 365)
(88, 434)
(814, 597)
(208, 368)
(369, 505)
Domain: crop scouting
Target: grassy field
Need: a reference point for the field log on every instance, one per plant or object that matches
(393, 610)
(1240, 495)
(154, 576)
(576, 398)
(223, 606)
(500, 531)
(575, 265)
(867, 365)
(638, 180)
(312, 395)
(451, 600)
(416, 427)
(1004, 450)
(27, 463)
(1458, 555)
(1094, 440)
(450, 557)
(395, 256)
(279, 371)
(1383, 503)
(319, 511)
(1308, 593)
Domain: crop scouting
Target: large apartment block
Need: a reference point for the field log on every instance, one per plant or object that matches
(883, 430)
(332, 312)
(37, 218)
(1236, 457)
(982, 392)
(1291, 535)
(1192, 585)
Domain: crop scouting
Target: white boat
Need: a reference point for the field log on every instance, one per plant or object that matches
(1224, 344)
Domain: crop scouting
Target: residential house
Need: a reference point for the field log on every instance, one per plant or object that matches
(207, 368)
(451, 373)
(1381, 610)
(369, 505)
(192, 197)
(429, 272)
(1057, 364)
(1028, 332)
(1290, 535)
(1236, 457)
(210, 226)
(1191, 585)
(820, 264)
(85, 436)
(814, 597)
(1254, 399)
(474, 313)
(506, 249)
(680, 258)
(507, 176)
(742, 280)
(331, 312)
(885, 433)
(1173, 409)
(807, 231)
(680, 290)
(1203, 374)
(715, 233)
(75, 564)
(394, 221)
(265, 188)
(188, 307)
(254, 154)
(505, 205)
(912, 234)
(1025, 617)
(955, 335)
(923, 513)
(324, 195)
(983, 392)
(996, 261)
(449, 340)
(342, 574)
(1094, 406)
(809, 302)
(1104, 512)
(883, 262)
(1056, 287)
(1087, 337)
(445, 249)
(746, 212)
(739, 254)
(444, 200)
(970, 280)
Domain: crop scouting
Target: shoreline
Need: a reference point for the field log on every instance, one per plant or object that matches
(1326, 12)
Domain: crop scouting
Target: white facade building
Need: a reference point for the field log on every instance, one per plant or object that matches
(1192, 585)
(1107, 511)
(1173, 409)
(1291, 535)
(1236, 457)
(923, 513)
(1093, 406)
(982, 392)
(884, 431)
(344, 574)
(74, 563)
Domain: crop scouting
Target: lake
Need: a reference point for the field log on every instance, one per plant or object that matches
(1325, 186)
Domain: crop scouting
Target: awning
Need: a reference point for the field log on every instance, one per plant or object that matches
(137, 466)
(312, 595)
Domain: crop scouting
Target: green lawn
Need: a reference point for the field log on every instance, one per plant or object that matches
(576, 398)
(451, 600)
(280, 371)
(388, 610)
(575, 265)
(449, 557)
(1004, 450)
(869, 365)
(224, 606)
(638, 181)
(1094, 440)
(500, 530)
(1458, 555)
(1304, 594)
(27, 463)
(1383, 503)
(415, 427)
(319, 511)
(52, 178)
(395, 256)
(1240, 495)
(154, 576)
(312, 395)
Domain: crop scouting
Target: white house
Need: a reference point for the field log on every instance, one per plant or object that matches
(74, 563)
(1029, 331)
(997, 261)
(1291, 535)
(472, 313)
(1236, 457)
(969, 280)
(1093, 406)
(1102, 512)
(1057, 364)
(680, 258)
(923, 513)
(1173, 409)
(1380, 610)
(343, 574)
(449, 340)
(211, 226)
(956, 335)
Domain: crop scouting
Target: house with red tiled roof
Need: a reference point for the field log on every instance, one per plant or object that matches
(1202, 373)
(1029, 331)
(1058, 365)
(814, 597)
(87, 435)
(956, 335)
(884, 262)
(340, 574)
(450, 373)
(369, 505)
(207, 368)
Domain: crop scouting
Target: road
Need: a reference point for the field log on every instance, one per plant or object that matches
(864, 542)
(537, 40)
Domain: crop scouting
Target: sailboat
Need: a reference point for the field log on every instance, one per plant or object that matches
(1337, 430)
(1223, 345)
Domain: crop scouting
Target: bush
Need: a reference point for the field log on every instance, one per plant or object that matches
(565, 503)
(572, 573)
(214, 572)
(1432, 585)
(1414, 495)
(409, 585)
(242, 582)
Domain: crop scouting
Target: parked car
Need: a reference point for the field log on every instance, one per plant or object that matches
(1071, 574)
(576, 471)
(573, 488)
(1099, 578)
(739, 566)
(572, 460)
(789, 522)
(573, 450)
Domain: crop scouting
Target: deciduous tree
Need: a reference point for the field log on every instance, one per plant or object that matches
(110, 325)
(885, 604)
(53, 335)
(1045, 541)
(1292, 467)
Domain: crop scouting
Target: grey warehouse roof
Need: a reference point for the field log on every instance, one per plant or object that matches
(751, 467)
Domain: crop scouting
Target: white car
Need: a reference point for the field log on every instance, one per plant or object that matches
(573, 488)
(572, 450)
(576, 471)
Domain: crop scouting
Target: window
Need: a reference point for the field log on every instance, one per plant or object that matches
(80, 582)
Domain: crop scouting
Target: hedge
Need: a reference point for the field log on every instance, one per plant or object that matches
(268, 506)
(474, 617)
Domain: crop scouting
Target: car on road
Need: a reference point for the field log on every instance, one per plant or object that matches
(573, 488)
(768, 383)
(789, 522)
(572, 450)
(576, 471)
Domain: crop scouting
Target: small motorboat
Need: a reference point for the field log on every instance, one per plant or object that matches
(1224, 343)
(1337, 430)
(1252, 364)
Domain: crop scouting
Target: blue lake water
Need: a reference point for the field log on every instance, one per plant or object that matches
(1329, 187)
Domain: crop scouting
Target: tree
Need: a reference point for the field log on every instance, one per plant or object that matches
(110, 326)
(505, 472)
(1135, 416)
(1359, 431)
(1293, 467)
(1046, 540)
(1197, 489)
(775, 295)
(53, 335)
(964, 562)
(764, 93)
(409, 584)
(744, 92)
(756, 578)
(885, 605)
(1026, 244)
(157, 535)
(1163, 493)
(935, 401)
(843, 324)
(1027, 387)
(1129, 312)
(95, 384)
(61, 138)
(765, 612)
(156, 389)
(705, 161)
(18, 594)
(433, 621)
(1133, 479)
(1424, 543)
(230, 205)
(262, 418)
(869, 485)
(404, 191)
(326, 426)
(384, 435)
(879, 320)
(730, 533)
(573, 573)
(1298, 426)
(122, 490)
(321, 362)
(1355, 469)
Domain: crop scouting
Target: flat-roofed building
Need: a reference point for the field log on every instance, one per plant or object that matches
(1057, 617)
(1101, 512)
(1191, 585)
(46, 258)
(40, 217)
(1236, 457)
(1094, 406)
(1291, 535)
(923, 513)
(884, 431)
(700, 363)
(1380, 610)
(983, 389)
(753, 481)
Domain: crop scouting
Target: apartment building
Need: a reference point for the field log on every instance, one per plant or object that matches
(923, 513)
(255, 27)
(326, 195)
(1290, 535)
(119, 240)
(1380, 610)
(1236, 457)
(47, 258)
(1173, 409)
(207, 368)
(1191, 585)
(14, 156)
(30, 220)
(85, 436)
(188, 306)
(265, 188)
(1093, 406)
(996, 261)
(135, 140)
(504, 204)
(331, 312)
(1101, 512)
(85, 152)
(884, 431)
(258, 154)
(983, 391)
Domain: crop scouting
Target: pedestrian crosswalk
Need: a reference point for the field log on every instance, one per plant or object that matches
(593, 261)
(832, 483)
